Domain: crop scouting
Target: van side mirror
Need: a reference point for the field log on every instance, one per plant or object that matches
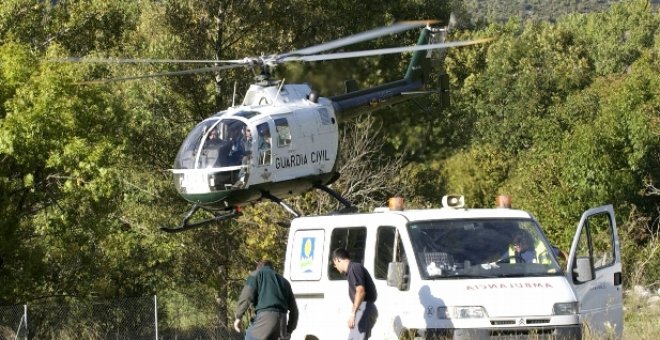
(397, 275)
(582, 271)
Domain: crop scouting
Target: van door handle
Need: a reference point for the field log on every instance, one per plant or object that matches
(617, 279)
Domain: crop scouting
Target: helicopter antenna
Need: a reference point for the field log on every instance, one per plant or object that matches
(279, 89)
(233, 97)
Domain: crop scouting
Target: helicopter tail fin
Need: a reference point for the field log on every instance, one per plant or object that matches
(357, 102)
(419, 65)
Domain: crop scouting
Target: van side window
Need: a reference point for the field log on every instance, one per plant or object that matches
(596, 243)
(603, 240)
(354, 240)
(385, 251)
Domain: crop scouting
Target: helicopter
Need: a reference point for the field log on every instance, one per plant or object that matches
(283, 139)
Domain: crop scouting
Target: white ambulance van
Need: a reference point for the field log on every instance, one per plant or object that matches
(452, 273)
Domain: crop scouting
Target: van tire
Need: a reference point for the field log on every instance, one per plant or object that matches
(311, 337)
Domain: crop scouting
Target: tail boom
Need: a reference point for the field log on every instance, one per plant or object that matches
(352, 104)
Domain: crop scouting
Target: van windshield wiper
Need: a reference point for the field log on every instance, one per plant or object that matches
(532, 274)
(514, 275)
(462, 276)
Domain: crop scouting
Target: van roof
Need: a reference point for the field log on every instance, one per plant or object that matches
(435, 214)
(449, 213)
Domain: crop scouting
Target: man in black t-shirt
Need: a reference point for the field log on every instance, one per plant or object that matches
(362, 292)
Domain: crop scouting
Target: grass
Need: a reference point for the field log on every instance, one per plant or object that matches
(640, 320)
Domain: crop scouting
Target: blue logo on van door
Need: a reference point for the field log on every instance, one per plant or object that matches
(307, 254)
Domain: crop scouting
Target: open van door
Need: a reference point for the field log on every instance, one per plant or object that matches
(594, 269)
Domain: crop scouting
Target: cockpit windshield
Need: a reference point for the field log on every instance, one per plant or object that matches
(481, 248)
(214, 143)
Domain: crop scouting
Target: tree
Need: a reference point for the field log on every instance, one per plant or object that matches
(569, 137)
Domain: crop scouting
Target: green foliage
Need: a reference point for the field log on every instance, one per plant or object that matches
(14, 69)
(422, 185)
(477, 173)
(569, 138)
(81, 26)
(502, 10)
(615, 38)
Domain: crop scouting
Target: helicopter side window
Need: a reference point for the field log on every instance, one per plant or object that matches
(326, 119)
(283, 132)
(264, 142)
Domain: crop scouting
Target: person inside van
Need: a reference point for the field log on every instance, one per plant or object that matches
(521, 249)
(361, 291)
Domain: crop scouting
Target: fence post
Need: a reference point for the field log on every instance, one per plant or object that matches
(26, 321)
(156, 314)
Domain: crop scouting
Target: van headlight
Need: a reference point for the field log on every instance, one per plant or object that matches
(462, 312)
(565, 308)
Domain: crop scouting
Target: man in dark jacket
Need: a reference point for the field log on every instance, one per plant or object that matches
(272, 298)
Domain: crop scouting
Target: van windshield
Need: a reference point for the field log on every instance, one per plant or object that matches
(482, 248)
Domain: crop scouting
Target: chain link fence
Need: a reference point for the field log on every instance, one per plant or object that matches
(183, 316)
(172, 316)
(75, 318)
(13, 322)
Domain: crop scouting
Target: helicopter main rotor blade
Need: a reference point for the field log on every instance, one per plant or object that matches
(393, 50)
(360, 37)
(162, 74)
(143, 61)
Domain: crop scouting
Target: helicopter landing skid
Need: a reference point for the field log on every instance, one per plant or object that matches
(268, 195)
(217, 217)
(348, 206)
